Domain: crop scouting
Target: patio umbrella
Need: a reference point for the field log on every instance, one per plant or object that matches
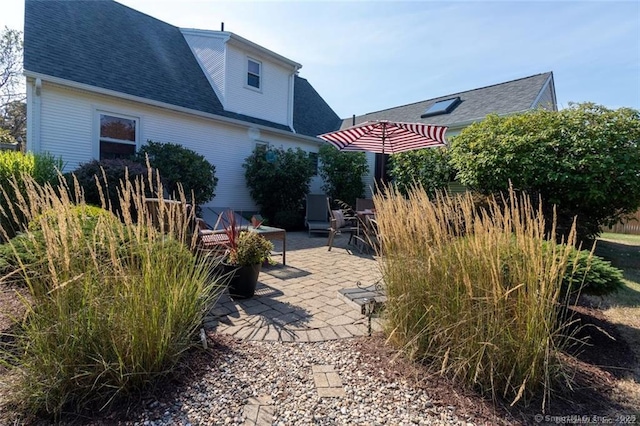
(387, 137)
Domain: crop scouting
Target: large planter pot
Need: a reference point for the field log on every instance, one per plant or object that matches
(243, 281)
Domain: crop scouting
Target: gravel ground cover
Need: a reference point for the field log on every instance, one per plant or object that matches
(378, 390)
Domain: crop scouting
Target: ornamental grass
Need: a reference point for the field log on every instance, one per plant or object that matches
(474, 291)
(113, 303)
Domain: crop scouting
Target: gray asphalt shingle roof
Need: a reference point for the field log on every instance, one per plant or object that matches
(312, 115)
(108, 45)
(504, 98)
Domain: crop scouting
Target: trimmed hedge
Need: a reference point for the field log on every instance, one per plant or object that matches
(278, 181)
(109, 174)
(178, 165)
(29, 248)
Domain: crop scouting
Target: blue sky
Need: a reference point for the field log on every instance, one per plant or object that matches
(367, 56)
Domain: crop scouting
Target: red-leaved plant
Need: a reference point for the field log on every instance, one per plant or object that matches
(243, 246)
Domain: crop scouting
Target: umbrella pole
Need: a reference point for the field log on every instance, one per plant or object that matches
(381, 161)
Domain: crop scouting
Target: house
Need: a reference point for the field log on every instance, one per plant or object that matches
(459, 110)
(102, 79)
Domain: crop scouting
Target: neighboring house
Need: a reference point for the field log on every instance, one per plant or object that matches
(459, 110)
(102, 79)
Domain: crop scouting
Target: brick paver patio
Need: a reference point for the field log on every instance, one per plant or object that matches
(301, 301)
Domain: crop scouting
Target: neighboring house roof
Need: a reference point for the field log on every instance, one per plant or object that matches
(108, 45)
(504, 98)
(312, 115)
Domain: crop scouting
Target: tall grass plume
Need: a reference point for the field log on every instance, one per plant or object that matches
(473, 291)
(115, 301)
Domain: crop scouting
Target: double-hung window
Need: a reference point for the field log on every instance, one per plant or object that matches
(254, 74)
(118, 136)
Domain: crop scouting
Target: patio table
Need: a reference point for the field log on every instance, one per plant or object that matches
(273, 234)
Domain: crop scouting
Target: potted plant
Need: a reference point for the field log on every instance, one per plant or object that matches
(245, 252)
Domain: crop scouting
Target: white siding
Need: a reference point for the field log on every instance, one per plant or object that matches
(369, 178)
(271, 102)
(68, 130)
(66, 127)
(210, 53)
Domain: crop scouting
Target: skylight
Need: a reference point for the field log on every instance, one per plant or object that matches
(442, 107)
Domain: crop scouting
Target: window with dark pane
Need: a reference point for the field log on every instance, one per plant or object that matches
(117, 137)
(441, 107)
(313, 162)
(253, 73)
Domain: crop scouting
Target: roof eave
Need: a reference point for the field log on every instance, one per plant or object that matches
(263, 50)
(164, 105)
(226, 36)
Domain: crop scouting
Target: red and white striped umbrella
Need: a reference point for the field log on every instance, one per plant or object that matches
(387, 137)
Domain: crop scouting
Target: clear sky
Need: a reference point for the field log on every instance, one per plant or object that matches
(367, 56)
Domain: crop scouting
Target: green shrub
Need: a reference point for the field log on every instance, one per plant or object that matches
(590, 274)
(21, 249)
(87, 215)
(22, 252)
(291, 220)
(428, 167)
(252, 249)
(101, 181)
(44, 168)
(178, 165)
(474, 293)
(342, 173)
(278, 180)
(109, 311)
(585, 160)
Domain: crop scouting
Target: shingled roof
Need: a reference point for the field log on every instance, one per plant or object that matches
(105, 44)
(312, 115)
(504, 98)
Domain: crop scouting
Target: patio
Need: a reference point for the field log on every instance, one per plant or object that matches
(302, 302)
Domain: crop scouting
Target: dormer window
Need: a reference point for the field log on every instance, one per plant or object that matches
(254, 72)
(444, 106)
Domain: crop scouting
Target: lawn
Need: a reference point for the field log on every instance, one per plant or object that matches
(623, 308)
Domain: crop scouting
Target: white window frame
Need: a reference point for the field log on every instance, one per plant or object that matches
(96, 130)
(264, 144)
(247, 72)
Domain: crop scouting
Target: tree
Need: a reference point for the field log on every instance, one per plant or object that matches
(11, 89)
(585, 160)
(278, 181)
(429, 167)
(342, 173)
(15, 120)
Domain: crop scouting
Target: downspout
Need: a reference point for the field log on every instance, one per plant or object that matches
(35, 144)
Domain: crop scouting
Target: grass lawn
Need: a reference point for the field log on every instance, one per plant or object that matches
(623, 307)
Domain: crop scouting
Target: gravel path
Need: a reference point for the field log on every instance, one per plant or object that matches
(281, 373)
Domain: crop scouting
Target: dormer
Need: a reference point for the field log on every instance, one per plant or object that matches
(247, 78)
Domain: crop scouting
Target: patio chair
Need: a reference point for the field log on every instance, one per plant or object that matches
(317, 215)
(339, 224)
(219, 215)
(364, 204)
(208, 238)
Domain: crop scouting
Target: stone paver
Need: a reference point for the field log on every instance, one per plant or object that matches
(303, 301)
(258, 411)
(327, 381)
